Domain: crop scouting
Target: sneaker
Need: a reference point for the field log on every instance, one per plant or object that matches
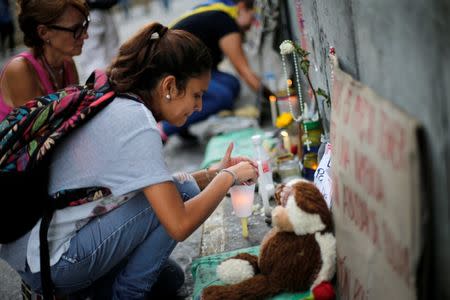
(169, 283)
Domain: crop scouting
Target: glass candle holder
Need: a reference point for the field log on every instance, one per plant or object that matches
(288, 169)
(242, 197)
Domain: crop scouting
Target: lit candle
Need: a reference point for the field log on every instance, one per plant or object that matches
(286, 140)
(242, 201)
(273, 109)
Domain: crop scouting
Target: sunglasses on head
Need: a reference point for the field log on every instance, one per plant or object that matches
(77, 31)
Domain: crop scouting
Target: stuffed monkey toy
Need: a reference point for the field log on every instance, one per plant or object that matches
(296, 255)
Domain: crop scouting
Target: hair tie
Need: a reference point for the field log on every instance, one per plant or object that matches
(154, 36)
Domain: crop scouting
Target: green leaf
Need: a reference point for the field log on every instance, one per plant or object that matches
(32, 147)
(324, 94)
(304, 65)
(302, 52)
(41, 119)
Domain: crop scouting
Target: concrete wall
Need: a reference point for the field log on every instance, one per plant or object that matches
(401, 50)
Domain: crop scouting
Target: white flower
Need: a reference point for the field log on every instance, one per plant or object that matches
(287, 47)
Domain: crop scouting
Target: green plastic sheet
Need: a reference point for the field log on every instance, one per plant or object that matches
(217, 145)
(204, 273)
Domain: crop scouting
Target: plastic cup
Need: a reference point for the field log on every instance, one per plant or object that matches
(242, 197)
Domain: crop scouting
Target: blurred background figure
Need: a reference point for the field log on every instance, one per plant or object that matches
(220, 24)
(7, 39)
(166, 5)
(103, 40)
(125, 7)
(54, 31)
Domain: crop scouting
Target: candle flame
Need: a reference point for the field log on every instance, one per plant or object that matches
(289, 82)
(272, 98)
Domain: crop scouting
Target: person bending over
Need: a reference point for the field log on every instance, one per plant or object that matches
(134, 230)
(219, 24)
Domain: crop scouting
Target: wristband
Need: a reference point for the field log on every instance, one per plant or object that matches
(235, 178)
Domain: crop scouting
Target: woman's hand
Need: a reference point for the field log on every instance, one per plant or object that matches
(246, 172)
(228, 161)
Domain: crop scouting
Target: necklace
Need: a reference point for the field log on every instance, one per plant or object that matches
(51, 71)
(301, 118)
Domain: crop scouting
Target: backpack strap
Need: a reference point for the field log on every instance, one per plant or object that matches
(131, 96)
(44, 253)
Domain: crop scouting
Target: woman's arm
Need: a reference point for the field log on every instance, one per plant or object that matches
(20, 83)
(231, 46)
(205, 176)
(182, 218)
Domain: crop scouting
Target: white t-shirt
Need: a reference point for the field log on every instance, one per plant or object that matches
(120, 149)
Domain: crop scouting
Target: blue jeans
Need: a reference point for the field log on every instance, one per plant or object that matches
(130, 233)
(222, 91)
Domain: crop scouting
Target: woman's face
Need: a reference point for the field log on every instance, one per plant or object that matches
(66, 36)
(245, 17)
(182, 104)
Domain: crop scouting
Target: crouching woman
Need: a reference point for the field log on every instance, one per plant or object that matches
(132, 231)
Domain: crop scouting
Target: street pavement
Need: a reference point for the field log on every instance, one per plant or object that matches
(222, 231)
(140, 14)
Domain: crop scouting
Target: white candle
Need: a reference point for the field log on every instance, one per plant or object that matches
(273, 109)
(286, 140)
(242, 199)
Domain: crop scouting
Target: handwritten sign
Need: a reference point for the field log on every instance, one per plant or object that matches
(322, 176)
(376, 190)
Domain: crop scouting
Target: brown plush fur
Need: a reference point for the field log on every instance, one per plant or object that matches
(277, 194)
(300, 259)
(310, 200)
(287, 262)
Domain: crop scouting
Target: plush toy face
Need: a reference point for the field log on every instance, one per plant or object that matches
(301, 209)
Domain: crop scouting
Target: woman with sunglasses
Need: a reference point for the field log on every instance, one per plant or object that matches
(54, 30)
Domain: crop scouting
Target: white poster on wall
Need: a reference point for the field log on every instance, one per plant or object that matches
(376, 193)
(322, 176)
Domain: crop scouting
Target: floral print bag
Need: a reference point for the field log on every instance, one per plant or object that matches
(28, 136)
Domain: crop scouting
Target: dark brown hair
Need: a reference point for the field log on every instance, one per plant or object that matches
(33, 13)
(153, 53)
(248, 3)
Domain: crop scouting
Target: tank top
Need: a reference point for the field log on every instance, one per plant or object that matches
(43, 77)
